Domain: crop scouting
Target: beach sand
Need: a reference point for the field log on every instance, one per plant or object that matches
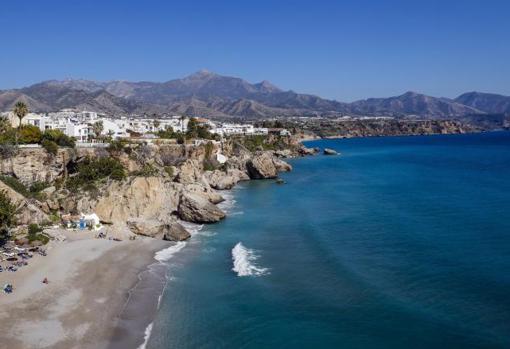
(89, 283)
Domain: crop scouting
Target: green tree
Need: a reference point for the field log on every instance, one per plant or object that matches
(156, 124)
(5, 124)
(97, 128)
(20, 110)
(7, 212)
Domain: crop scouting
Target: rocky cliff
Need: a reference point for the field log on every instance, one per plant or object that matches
(165, 183)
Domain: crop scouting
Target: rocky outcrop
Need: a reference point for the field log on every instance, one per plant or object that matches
(265, 165)
(28, 210)
(328, 151)
(35, 164)
(142, 197)
(281, 166)
(175, 232)
(205, 191)
(145, 227)
(221, 180)
(171, 231)
(189, 172)
(261, 166)
(197, 209)
(304, 151)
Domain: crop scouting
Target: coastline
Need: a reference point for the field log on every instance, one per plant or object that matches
(89, 284)
(135, 331)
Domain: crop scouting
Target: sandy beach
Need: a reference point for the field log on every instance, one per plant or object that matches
(89, 283)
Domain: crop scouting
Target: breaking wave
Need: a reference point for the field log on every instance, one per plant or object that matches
(244, 259)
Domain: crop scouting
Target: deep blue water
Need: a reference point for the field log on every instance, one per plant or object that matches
(400, 242)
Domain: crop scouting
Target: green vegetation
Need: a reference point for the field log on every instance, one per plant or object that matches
(33, 192)
(117, 146)
(7, 212)
(29, 134)
(91, 170)
(168, 133)
(148, 170)
(50, 146)
(263, 142)
(97, 128)
(209, 163)
(195, 130)
(35, 234)
(61, 139)
(169, 171)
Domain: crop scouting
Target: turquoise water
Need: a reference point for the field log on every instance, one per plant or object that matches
(401, 242)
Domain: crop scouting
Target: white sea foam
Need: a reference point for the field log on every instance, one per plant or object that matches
(167, 253)
(244, 259)
(229, 202)
(146, 337)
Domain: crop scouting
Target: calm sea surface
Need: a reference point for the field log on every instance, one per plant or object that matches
(400, 242)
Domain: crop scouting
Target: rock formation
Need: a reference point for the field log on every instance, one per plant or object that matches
(328, 151)
(195, 208)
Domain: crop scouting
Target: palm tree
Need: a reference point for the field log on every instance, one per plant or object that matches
(97, 128)
(20, 110)
(182, 122)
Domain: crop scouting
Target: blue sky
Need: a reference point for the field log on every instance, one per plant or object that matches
(344, 50)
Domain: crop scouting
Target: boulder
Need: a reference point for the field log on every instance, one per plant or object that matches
(285, 153)
(146, 227)
(304, 151)
(328, 151)
(261, 166)
(282, 166)
(175, 232)
(205, 191)
(197, 209)
(221, 180)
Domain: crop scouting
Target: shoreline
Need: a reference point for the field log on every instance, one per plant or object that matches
(143, 329)
(89, 284)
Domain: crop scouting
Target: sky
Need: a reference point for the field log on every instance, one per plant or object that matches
(343, 50)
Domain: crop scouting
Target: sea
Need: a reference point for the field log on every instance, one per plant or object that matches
(398, 242)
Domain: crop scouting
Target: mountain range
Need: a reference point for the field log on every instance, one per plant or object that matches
(211, 95)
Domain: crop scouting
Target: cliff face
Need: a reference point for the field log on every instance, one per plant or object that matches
(178, 185)
(383, 127)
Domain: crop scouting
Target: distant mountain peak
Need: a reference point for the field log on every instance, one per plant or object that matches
(266, 86)
(202, 73)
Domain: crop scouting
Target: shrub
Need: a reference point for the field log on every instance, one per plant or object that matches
(38, 186)
(168, 133)
(8, 150)
(59, 138)
(7, 212)
(90, 170)
(33, 229)
(147, 171)
(15, 184)
(50, 146)
(117, 146)
(169, 171)
(208, 165)
(29, 134)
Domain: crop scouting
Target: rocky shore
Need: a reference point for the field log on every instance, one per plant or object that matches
(184, 183)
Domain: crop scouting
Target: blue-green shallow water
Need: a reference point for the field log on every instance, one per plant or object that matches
(401, 242)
